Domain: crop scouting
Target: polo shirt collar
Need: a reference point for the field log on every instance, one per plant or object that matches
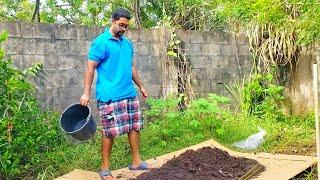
(109, 35)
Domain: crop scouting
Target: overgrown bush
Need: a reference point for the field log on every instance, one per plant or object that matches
(261, 96)
(26, 133)
(201, 118)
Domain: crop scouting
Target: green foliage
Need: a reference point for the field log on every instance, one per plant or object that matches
(82, 12)
(260, 105)
(186, 14)
(308, 27)
(27, 133)
(208, 118)
(3, 37)
(65, 11)
(261, 95)
(296, 15)
(164, 112)
(16, 10)
(207, 113)
(203, 116)
(276, 30)
(33, 70)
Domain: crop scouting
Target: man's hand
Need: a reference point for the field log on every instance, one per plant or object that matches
(88, 78)
(84, 100)
(144, 93)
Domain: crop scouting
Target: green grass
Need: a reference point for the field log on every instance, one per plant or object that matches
(87, 155)
(297, 131)
(168, 130)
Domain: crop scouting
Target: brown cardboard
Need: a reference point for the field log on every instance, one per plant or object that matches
(278, 166)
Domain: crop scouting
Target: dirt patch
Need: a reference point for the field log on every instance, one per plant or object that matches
(298, 149)
(204, 164)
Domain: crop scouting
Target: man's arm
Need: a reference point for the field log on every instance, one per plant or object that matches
(88, 78)
(136, 79)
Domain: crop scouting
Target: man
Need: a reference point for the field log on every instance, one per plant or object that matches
(111, 55)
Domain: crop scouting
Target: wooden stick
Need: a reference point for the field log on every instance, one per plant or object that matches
(316, 113)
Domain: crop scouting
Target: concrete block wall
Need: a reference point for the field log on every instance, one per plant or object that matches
(300, 91)
(149, 50)
(63, 51)
(216, 59)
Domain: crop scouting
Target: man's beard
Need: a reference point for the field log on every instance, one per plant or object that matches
(120, 33)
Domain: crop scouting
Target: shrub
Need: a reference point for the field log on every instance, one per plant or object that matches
(26, 133)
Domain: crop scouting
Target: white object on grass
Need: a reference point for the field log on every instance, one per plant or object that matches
(252, 142)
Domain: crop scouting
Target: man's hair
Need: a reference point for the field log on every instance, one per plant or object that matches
(121, 13)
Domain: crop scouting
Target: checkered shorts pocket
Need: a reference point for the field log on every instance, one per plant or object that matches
(120, 117)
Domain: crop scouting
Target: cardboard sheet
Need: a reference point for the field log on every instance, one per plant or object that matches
(278, 166)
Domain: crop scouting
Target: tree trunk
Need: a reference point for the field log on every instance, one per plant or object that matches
(36, 13)
(136, 7)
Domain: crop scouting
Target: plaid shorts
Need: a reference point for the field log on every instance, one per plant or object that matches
(120, 117)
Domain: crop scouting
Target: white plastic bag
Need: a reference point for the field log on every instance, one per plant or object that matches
(252, 142)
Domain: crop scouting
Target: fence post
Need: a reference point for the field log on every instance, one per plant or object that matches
(316, 113)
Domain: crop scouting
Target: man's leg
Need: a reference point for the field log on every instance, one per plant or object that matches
(106, 147)
(134, 140)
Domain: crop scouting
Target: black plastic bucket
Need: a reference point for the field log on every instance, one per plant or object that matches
(77, 121)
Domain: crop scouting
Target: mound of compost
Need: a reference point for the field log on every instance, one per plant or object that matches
(204, 164)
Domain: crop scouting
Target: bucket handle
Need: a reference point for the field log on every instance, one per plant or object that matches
(89, 107)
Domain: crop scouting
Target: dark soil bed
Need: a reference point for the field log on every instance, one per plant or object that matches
(206, 163)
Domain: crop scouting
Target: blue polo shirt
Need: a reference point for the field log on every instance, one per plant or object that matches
(114, 71)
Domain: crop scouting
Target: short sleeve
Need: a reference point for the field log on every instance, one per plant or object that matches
(131, 47)
(98, 49)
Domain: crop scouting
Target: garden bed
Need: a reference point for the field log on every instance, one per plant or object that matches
(205, 163)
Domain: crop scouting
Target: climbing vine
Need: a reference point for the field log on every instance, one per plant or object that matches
(276, 29)
(177, 64)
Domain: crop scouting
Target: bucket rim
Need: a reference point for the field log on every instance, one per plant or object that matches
(87, 119)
